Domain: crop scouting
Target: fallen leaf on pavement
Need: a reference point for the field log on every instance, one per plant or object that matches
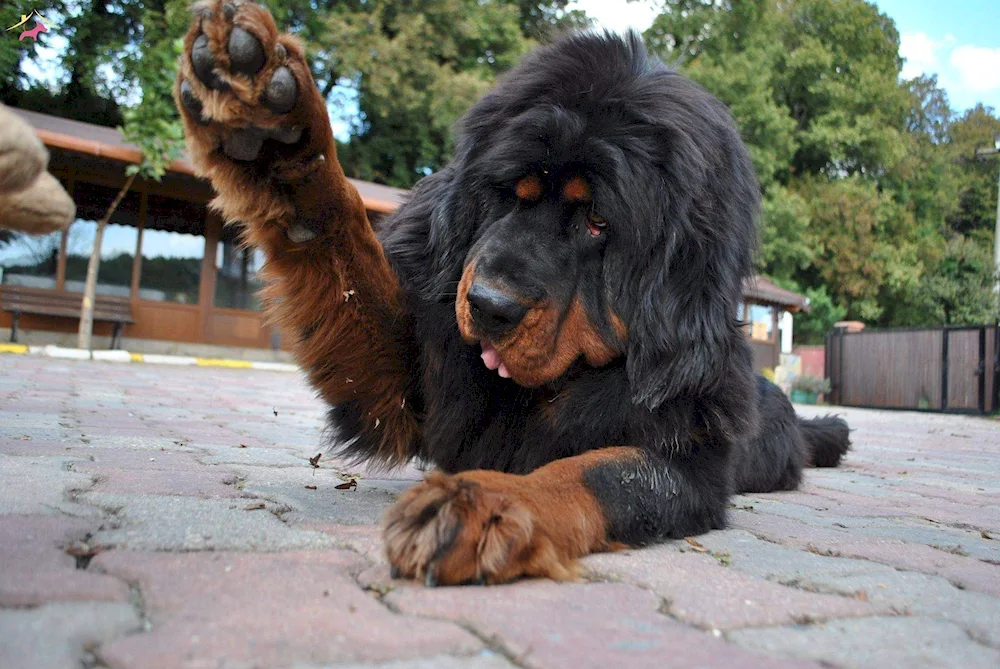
(255, 506)
(695, 545)
(310, 487)
(82, 549)
(350, 485)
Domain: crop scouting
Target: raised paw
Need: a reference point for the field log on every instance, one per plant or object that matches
(477, 529)
(246, 93)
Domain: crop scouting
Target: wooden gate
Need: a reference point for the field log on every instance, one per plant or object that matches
(954, 369)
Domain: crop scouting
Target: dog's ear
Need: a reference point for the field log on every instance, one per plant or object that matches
(430, 235)
(684, 338)
(682, 332)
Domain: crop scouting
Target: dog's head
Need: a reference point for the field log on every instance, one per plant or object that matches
(606, 207)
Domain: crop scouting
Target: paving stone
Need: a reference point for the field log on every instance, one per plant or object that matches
(874, 643)
(164, 473)
(919, 594)
(362, 539)
(362, 505)
(173, 523)
(232, 454)
(962, 570)
(902, 592)
(600, 625)
(483, 660)
(57, 636)
(242, 610)
(13, 420)
(37, 569)
(145, 442)
(701, 591)
(871, 523)
(33, 448)
(39, 432)
(778, 563)
(40, 485)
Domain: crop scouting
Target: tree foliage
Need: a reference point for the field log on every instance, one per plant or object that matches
(872, 194)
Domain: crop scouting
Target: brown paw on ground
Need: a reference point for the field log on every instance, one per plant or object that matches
(451, 531)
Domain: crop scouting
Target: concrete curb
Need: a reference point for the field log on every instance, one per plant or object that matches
(151, 358)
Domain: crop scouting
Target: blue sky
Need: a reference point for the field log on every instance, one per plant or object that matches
(957, 40)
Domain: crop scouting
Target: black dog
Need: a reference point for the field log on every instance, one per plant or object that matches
(551, 319)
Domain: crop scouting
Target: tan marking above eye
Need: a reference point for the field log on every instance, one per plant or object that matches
(576, 190)
(529, 188)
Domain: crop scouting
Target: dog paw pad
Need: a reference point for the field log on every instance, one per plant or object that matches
(203, 64)
(246, 55)
(244, 144)
(191, 102)
(281, 92)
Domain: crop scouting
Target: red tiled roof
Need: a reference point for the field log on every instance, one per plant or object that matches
(761, 289)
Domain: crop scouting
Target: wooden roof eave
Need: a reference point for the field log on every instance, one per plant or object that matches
(124, 154)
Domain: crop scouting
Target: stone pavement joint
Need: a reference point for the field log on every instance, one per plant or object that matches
(155, 515)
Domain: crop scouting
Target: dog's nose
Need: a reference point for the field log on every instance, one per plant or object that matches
(494, 311)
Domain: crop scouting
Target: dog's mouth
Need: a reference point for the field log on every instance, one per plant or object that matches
(530, 344)
(492, 360)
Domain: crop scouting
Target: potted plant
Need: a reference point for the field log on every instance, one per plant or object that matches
(806, 389)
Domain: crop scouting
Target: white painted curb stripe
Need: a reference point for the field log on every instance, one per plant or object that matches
(168, 359)
(154, 358)
(66, 353)
(112, 356)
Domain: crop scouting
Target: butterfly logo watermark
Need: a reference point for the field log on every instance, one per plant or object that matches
(33, 33)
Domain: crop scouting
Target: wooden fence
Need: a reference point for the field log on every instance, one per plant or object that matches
(953, 369)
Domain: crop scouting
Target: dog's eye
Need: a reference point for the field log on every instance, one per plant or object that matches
(595, 224)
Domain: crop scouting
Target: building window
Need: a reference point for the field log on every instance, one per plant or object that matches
(30, 261)
(761, 322)
(171, 266)
(114, 275)
(173, 246)
(118, 245)
(236, 267)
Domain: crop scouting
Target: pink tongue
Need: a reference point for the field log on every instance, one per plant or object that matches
(491, 358)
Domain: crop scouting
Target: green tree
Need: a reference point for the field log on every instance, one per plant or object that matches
(975, 214)
(959, 288)
(416, 68)
(153, 125)
(864, 177)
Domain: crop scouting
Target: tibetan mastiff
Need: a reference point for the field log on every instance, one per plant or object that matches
(551, 320)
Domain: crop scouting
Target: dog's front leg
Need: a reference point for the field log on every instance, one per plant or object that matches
(257, 126)
(490, 527)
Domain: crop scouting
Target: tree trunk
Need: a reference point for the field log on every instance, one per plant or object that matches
(90, 288)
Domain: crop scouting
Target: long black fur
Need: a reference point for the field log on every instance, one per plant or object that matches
(674, 180)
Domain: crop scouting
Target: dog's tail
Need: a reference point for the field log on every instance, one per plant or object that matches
(827, 440)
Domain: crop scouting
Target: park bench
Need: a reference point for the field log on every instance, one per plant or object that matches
(24, 300)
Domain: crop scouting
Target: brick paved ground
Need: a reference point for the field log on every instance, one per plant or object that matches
(168, 517)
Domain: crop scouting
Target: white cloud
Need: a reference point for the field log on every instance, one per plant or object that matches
(920, 53)
(978, 68)
(618, 15)
(968, 73)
